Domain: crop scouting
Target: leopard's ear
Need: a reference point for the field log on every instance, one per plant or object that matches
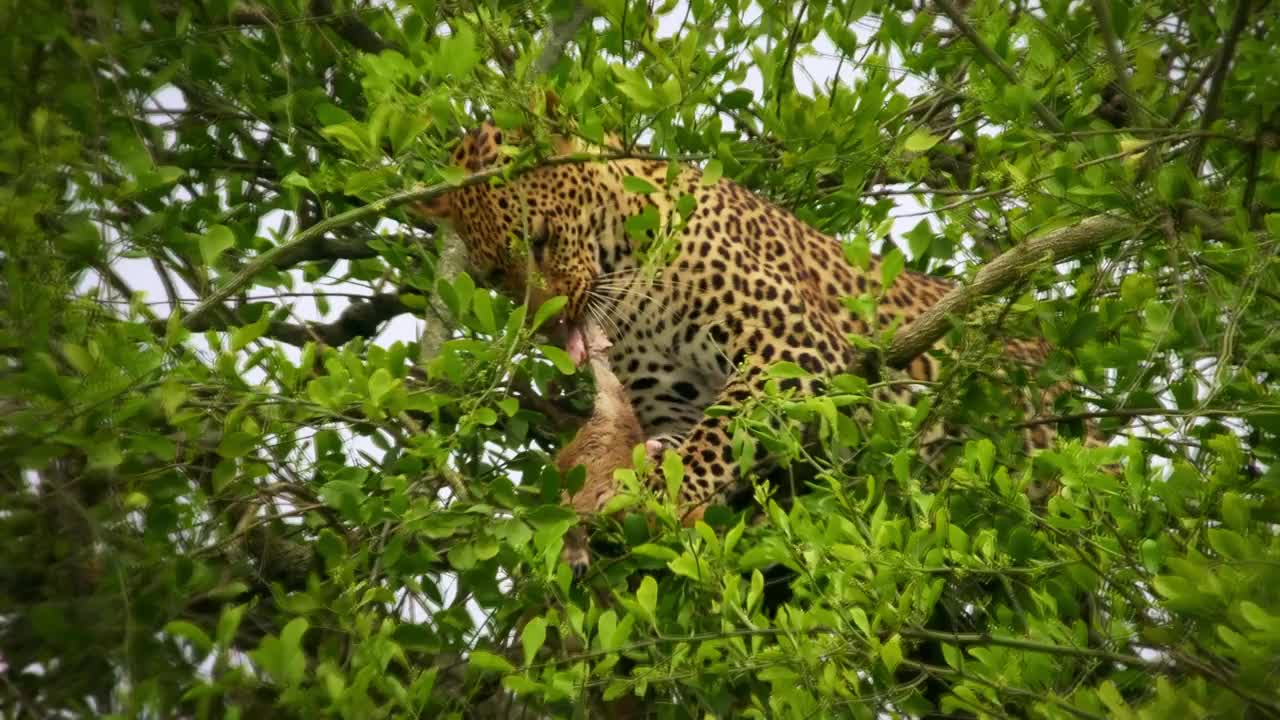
(550, 103)
(562, 141)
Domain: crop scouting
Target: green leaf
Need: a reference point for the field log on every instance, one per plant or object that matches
(860, 619)
(458, 53)
(712, 173)
(521, 685)
(1152, 555)
(190, 632)
(605, 628)
(1235, 511)
(919, 238)
(242, 336)
(294, 180)
(482, 306)
(1136, 289)
(647, 596)
(344, 496)
(786, 369)
(891, 267)
(292, 634)
(237, 444)
(920, 141)
(732, 537)
(657, 552)
(891, 652)
(405, 128)
(215, 241)
(953, 657)
(105, 455)
(635, 86)
(462, 556)
(488, 662)
(349, 137)
(380, 383)
(548, 310)
(691, 567)
(1230, 545)
(673, 472)
(1111, 697)
(453, 175)
(632, 183)
(1272, 220)
(228, 624)
(1258, 617)
(559, 358)
(534, 635)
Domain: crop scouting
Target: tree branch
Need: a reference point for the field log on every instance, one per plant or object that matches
(1102, 9)
(984, 639)
(1219, 79)
(325, 248)
(962, 24)
(303, 238)
(346, 24)
(1189, 95)
(1002, 272)
(350, 28)
(451, 262)
(360, 319)
(558, 37)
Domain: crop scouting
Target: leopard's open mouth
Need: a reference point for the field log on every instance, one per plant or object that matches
(580, 338)
(572, 336)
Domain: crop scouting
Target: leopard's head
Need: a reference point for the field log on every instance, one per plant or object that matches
(535, 235)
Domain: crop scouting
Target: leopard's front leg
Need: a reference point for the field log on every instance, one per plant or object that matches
(710, 469)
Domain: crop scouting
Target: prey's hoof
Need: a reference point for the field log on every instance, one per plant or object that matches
(578, 559)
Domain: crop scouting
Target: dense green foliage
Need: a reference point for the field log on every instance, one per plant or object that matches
(238, 512)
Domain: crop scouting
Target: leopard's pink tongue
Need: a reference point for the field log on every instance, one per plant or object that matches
(576, 345)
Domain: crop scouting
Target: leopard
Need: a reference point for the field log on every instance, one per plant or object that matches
(744, 284)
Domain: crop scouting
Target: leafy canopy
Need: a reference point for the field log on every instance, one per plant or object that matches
(276, 505)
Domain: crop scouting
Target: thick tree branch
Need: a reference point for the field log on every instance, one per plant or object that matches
(1002, 272)
(452, 261)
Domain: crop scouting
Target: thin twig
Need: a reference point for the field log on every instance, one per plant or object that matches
(784, 73)
(962, 24)
(1125, 413)
(1189, 96)
(1219, 79)
(1102, 9)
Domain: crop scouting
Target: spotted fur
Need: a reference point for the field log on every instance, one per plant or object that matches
(751, 285)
